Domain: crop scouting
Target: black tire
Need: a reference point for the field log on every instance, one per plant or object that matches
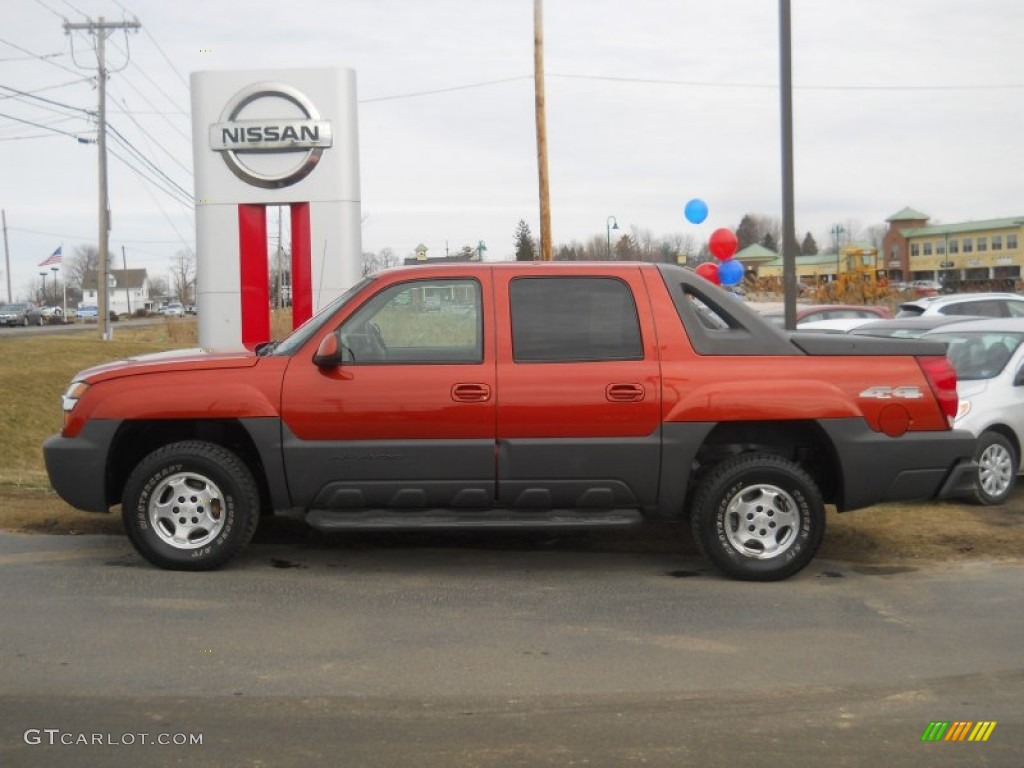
(213, 517)
(758, 517)
(997, 469)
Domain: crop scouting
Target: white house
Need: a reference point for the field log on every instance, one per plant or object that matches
(129, 291)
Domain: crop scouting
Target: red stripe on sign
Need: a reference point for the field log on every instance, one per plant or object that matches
(302, 277)
(255, 274)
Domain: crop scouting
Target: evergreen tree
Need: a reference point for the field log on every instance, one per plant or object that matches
(526, 250)
(769, 242)
(809, 247)
(748, 232)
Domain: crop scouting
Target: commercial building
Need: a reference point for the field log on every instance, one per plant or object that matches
(967, 256)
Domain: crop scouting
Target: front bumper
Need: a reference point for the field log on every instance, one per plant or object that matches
(77, 466)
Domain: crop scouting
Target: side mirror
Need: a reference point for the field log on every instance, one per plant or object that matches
(1018, 378)
(329, 353)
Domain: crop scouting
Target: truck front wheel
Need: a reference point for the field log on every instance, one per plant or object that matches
(190, 506)
(758, 517)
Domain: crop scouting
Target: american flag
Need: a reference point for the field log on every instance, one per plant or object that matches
(55, 258)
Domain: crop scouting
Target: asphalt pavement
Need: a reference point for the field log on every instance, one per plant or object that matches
(477, 651)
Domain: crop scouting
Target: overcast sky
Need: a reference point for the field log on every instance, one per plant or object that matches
(649, 103)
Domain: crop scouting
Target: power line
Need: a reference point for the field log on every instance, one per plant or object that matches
(124, 142)
(80, 237)
(32, 95)
(775, 86)
(158, 145)
(703, 84)
(55, 13)
(37, 56)
(447, 90)
(152, 106)
(45, 127)
(152, 39)
(179, 110)
(166, 190)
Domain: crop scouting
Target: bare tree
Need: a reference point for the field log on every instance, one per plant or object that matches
(875, 233)
(683, 248)
(84, 261)
(183, 275)
(373, 263)
(854, 230)
(157, 286)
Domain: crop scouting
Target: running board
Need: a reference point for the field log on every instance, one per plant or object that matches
(441, 519)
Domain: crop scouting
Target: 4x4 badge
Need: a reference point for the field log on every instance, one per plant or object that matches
(893, 393)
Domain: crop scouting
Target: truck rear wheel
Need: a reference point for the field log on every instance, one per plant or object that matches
(190, 506)
(758, 517)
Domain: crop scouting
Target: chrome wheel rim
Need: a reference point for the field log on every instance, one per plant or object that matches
(187, 510)
(762, 521)
(995, 470)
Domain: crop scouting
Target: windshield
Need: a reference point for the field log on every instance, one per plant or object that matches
(309, 328)
(979, 355)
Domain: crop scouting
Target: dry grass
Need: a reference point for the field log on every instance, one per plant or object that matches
(37, 369)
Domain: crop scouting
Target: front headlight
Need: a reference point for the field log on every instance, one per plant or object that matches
(71, 396)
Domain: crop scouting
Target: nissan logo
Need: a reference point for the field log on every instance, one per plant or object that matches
(305, 132)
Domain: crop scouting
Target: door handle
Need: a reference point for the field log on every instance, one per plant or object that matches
(624, 393)
(471, 393)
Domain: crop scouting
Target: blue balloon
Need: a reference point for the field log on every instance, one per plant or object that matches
(730, 272)
(696, 211)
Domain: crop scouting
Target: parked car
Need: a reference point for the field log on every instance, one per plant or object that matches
(978, 304)
(988, 356)
(834, 324)
(906, 327)
(21, 313)
(88, 312)
(174, 309)
(815, 312)
(922, 288)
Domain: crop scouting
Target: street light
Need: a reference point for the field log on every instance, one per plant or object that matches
(610, 224)
(43, 275)
(837, 230)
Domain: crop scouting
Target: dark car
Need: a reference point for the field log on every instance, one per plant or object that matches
(813, 313)
(22, 313)
(906, 327)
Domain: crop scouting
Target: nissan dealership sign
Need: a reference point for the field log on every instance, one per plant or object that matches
(285, 138)
(246, 142)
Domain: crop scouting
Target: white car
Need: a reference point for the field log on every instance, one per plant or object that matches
(174, 309)
(989, 359)
(978, 304)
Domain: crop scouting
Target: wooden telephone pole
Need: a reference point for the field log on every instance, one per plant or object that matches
(101, 29)
(542, 130)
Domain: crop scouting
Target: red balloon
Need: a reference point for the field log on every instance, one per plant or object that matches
(723, 244)
(709, 271)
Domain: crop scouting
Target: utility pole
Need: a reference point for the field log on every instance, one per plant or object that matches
(542, 131)
(788, 246)
(100, 29)
(6, 252)
(127, 288)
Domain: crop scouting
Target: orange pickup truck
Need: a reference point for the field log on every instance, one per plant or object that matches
(516, 395)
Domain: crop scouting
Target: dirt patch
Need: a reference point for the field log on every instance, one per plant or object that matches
(887, 533)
